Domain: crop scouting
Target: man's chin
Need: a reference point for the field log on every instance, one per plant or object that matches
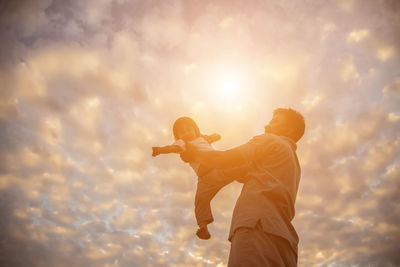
(268, 129)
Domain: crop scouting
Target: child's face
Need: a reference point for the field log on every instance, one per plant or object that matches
(186, 133)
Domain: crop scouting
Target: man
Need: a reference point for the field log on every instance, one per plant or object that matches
(261, 231)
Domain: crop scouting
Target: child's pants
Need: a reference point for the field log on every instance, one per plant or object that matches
(208, 186)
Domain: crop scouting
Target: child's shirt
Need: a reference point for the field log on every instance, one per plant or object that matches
(200, 144)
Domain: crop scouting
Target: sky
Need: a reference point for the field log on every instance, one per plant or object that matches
(88, 87)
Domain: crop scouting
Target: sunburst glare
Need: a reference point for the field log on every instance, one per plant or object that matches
(229, 86)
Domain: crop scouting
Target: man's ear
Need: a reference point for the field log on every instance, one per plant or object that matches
(289, 131)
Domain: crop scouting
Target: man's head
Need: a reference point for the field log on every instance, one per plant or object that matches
(286, 122)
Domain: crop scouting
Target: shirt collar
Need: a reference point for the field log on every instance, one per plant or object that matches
(291, 142)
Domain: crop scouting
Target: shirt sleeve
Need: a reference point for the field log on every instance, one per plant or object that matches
(256, 148)
(180, 143)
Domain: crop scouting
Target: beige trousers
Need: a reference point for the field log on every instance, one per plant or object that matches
(252, 247)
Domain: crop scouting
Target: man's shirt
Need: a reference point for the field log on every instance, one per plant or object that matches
(270, 192)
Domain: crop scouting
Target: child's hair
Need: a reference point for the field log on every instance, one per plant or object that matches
(182, 121)
(295, 119)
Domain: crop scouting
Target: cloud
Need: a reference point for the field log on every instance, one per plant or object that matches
(88, 89)
(394, 87)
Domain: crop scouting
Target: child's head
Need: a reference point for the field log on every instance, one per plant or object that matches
(286, 122)
(186, 129)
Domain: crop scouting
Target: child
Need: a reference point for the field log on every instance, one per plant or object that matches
(209, 181)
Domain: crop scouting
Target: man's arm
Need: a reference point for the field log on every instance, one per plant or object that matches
(255, 149)
(215, 159)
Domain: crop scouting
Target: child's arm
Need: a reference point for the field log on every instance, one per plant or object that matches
(211, 138)
(166, 149)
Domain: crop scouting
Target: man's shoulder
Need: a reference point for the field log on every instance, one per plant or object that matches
(265, 138)
(273, 138)
(255, 145)
(268, 143)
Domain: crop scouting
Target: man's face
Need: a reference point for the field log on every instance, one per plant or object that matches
(277, 125)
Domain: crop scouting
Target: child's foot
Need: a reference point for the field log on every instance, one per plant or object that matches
(203, 233)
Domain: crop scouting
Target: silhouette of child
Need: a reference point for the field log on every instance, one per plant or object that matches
(210, 181)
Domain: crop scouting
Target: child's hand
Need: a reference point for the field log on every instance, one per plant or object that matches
(215, 137)
(212, 138)
(156, 151)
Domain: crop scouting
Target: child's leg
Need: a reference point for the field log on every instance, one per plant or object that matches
(204, 194)
(207, 187)
(202, 209)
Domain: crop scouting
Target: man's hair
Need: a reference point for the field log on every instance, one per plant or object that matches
(296, 121)
(184, 121)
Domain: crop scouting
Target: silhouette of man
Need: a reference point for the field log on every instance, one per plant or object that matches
(261, 232)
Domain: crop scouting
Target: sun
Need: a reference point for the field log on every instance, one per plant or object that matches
(228, 86)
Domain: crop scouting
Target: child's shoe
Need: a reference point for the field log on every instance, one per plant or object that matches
(203, 233)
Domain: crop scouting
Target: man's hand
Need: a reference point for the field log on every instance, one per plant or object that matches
(156, 151)
(189, 155)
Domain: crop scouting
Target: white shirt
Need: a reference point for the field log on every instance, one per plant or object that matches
(200, 144)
